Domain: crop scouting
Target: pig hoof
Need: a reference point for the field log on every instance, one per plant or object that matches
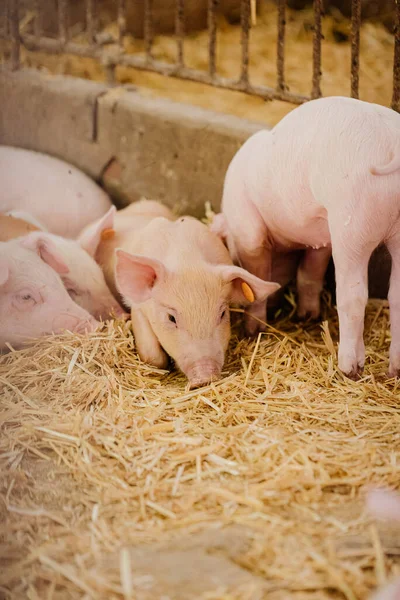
(355, 374)
(393, 373)
(308, 315)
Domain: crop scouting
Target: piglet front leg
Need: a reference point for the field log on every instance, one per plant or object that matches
(394, 305)
(147, 343)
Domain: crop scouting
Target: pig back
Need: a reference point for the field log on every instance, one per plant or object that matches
(11, 227)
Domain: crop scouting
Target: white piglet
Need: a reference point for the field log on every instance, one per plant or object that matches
(33, 299)
(325, 179)
(55, 193)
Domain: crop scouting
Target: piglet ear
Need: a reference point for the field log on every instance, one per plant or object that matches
(136, 276)
(44, 246)
(91, 236)
(219, 226)
(247, 288)
(4, 271)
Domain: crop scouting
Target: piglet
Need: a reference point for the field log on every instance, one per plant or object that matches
(178, 279)
(33, 299)
(83, 279)
(54, 192)
(325, 179)
(385, 504)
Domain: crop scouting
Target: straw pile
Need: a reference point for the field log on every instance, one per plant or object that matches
(376, 63)
(117, 482)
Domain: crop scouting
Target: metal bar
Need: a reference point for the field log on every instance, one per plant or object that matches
(180, 30)
(141, 62)
(212, 29)
(355, 46)
(91, 20)
(316, 81)
(121, 18)
(38, 19)
(148, 27)
(63, 21)
(245, 23)
(280, 55)
(13, 28)
(396, 62)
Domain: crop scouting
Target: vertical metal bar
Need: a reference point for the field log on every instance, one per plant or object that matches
(212, 29)
(180, 30)
(121, 18)
(13, 28)
(280, 57)
(38, 18)
(148, 27)
(63, 20)
(91, 20)
(355, 46)
(396, 62)
(316, 81)
(245, 23)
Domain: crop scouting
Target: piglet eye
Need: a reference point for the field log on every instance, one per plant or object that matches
(26, 297)
(72, 292)
(172, 318)
(223, 314)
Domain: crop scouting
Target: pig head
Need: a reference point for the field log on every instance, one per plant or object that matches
(33, 299)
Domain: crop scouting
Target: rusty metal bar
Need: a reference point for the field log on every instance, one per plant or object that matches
(63, 21)
(316, 81)
(91, 20)
(13, 28)
(38, 19)
(396, 62)
(280, 57)
(121, 18)
(245, 23)
(180, 30)
(212, 29)
(355, 46)
(148, 27)
(141, 62)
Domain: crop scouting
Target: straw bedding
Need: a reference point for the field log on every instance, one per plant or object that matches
(117, 482)
(376, 63)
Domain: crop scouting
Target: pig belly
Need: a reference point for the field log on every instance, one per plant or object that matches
(60, 196)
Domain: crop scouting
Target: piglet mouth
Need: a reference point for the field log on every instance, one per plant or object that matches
(203, 372)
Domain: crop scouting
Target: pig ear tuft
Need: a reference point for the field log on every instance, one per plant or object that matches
(247, 288)
(101, 229)
(136, 276)
(4, 271)
(44, 246)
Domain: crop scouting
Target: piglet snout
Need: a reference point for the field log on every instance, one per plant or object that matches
(202, 372)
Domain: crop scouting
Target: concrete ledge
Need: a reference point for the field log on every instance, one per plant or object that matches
(135, 146)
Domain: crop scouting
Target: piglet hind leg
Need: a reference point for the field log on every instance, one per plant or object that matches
(147, 343)
(393, 246)
(351, 257)
(310, 281)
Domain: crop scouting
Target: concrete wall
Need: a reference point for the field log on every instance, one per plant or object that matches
(134, 146)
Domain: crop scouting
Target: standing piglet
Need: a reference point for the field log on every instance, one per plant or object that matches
(325, 179)
(60, 196)
(178, 279)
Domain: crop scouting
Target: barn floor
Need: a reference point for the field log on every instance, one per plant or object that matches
(376, 63)
(116, 482)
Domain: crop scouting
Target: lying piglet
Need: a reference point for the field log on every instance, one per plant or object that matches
(57, 194)
(384, 504)
(179, 280)
(33, 299)
(83, 278)
(316, 182)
